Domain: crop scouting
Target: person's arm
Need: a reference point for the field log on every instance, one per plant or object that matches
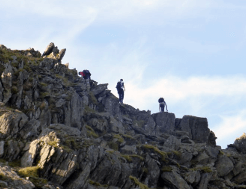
(123, 85)
(166, 107)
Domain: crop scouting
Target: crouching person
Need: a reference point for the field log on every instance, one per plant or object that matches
(162, 104)
(87, 76)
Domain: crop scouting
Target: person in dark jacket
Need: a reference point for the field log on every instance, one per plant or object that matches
(162, 104)
(120, 89)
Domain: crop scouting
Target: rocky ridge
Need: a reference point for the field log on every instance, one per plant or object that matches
(56, 134)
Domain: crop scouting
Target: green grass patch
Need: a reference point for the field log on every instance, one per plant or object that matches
(29, 171)
(53, 143)
(204, 169)
(166, 169)
(14, 90)
(119, 138)
(130, 157)
(91, 132)
(136, 156)
(38, 182)
(145, 170)
(221, 152)
(44, 94)
(2, 68)
(110, 151)
(4, 177)
(94, 183)
(174, 154)
(155, 149)
(92, 98)
(6, 55)
(136, 181)
(64, 80)
(89, 110)
(128, 136)
(43, 84)
(113, 145)
(3, 161)
(72, 143)
(127, 157)
(33, 174)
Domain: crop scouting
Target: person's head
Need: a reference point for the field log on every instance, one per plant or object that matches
(121, 79)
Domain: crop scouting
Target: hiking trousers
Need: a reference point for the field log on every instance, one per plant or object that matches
(121, 95)
(162, 106)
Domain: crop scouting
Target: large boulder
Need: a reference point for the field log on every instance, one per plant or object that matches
(224, 165)
(99, 89)
(13, 180)
(197, 128)
(165, 122)
(205, 178)
(240, 143)
(11, 123)
(153, 173)
(30, 154)
(174, 180)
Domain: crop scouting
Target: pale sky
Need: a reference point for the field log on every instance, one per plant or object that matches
(190, 52)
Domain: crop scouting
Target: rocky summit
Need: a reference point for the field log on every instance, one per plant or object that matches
(56, 134)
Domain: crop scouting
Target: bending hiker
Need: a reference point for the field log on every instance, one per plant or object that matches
(120, 88)
(162, 104)
(87, 76)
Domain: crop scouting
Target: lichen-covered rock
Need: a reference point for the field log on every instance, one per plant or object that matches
(48, 49)
(11, 123)
(13, 149)
(31, 129)
(196, 127)
(172, 142)
(192, 177)
(61, 54)
(224, 165)
(240, 143)
(13, 180)
(204, 180)
(174, 180)
(99, 89)
(27, 159)
(153, 172)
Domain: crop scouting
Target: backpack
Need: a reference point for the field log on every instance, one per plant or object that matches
(82, 73)
(118, 86)
(87, 72)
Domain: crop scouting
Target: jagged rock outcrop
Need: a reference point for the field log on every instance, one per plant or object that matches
(53, 52)
(73, 138)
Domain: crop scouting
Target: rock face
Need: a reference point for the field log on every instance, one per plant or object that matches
(80, 139)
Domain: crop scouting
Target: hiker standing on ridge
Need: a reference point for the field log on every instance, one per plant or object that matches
(87, 76)
(120, 88)
(162, 104)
